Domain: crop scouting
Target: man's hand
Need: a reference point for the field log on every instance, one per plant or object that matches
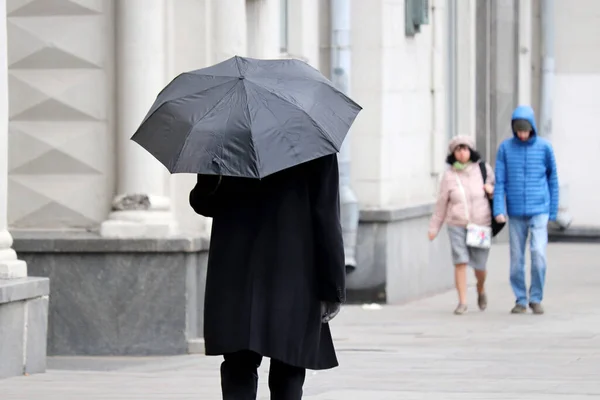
(431, 235)
(329, 311)
(500, 219)
(207, 185)
(489, 189)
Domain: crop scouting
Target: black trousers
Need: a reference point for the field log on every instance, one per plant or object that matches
(239, 378)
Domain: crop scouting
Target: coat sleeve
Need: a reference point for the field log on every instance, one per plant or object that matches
(552, 176)
(441, 206)
(204, 196)
(500, 186)
(327, 231)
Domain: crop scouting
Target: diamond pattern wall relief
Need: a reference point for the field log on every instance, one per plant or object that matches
(61, 97)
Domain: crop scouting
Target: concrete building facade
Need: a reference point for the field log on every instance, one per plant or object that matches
(575, 101)
(520, 46)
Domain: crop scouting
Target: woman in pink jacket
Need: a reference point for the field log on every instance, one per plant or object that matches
(451, 208)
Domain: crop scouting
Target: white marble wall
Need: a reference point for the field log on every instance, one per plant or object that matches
(304, 30)
(576, 103)
(401, 135)
(61, 158)
(63, 151)
(466, 67)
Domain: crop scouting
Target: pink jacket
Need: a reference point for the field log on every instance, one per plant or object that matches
(450, 206)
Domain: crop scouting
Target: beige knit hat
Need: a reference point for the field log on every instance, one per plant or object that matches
(458, 140)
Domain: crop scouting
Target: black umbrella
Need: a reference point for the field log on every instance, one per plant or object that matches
(246, 117)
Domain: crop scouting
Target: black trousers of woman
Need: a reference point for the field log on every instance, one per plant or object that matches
(239, 378)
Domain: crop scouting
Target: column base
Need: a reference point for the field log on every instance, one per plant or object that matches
(10, 266)
(139, 224)
(13, 269)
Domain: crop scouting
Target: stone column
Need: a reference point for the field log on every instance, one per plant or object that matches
(466, 67)
(10, 266)
(141, 208)
(229, 29)
(497, 73)
(263, 19)
(303, 29)
(524, 35)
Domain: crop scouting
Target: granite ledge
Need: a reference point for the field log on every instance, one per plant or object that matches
(574, 234)
(91, 242)
(394, 214)
(12, 290)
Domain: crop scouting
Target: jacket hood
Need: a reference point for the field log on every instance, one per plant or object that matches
(526, 113)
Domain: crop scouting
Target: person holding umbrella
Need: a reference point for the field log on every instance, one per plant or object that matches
(276, 258)
(262, 137)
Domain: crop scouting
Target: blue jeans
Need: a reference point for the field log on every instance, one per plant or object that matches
(519, 228)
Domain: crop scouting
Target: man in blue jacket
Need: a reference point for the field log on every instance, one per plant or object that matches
(526, 187)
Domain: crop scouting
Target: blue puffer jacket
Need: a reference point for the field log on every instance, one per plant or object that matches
(526, 174)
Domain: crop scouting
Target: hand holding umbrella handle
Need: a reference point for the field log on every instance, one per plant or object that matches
(217, 186)
(207, 185)
(329, 311)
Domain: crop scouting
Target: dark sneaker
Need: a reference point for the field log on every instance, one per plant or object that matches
(460, 309)
(518, 309)
(482, 301)
(536, 308)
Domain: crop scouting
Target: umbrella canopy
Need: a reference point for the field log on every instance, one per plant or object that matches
(246, 117)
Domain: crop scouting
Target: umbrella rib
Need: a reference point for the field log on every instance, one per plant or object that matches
(250, 125)
(192, 73)
(332, 86)
(187, 135)
(199, 72)
(195, 93)
(327, 136)
(275, 117)
(237, 64)
(344, 96)
(327, 83)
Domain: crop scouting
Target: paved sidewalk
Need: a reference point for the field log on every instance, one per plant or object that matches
(416, 351)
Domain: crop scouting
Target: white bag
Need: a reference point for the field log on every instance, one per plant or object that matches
(477, 236)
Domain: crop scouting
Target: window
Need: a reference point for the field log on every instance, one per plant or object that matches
(416, 14)
(283, 26)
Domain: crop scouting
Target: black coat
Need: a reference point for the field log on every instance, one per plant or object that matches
(276, 252)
